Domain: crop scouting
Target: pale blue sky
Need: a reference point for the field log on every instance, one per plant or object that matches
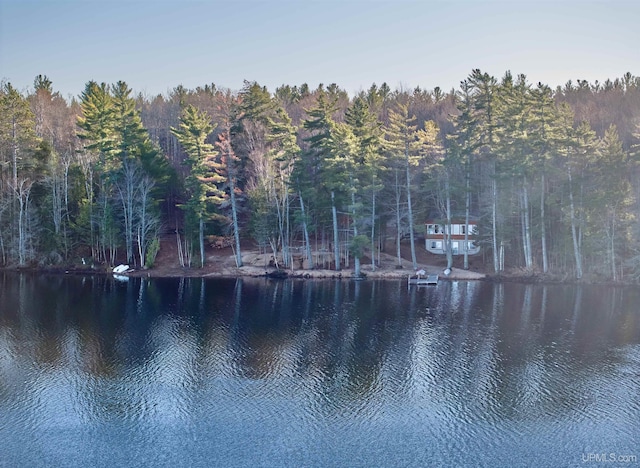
(157, 45)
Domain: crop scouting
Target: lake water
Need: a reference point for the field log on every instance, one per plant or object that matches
(253, 372)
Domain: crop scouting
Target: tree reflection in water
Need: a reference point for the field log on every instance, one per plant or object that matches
(317, 368)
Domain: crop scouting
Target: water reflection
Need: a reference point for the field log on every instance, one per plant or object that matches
(260, 373)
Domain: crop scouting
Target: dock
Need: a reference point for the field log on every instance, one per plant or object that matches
(427, 280)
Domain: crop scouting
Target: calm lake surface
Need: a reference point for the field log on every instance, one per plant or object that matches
(253, 372)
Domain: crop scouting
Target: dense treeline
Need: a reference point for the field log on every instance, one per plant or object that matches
(316, 176)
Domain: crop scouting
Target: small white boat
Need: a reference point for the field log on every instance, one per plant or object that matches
(120, 269)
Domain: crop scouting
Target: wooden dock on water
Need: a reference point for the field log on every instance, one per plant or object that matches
(427, 280)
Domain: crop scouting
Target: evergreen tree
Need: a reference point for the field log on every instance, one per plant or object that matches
(97, 121)
(96, 130)
(17, 131)
(17, 144)
(612, 198)
(545, 132)
(339, 174)
(368, 159)
(125, 169)
(267, 194)
(463, 144)
(484, 90)
(204, 179)
(403, 143)
(312, 171)
(579, 146)
(111, 127)
(517, 151)
(283, 154)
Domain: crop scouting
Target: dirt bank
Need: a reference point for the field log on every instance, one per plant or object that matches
(221, 263)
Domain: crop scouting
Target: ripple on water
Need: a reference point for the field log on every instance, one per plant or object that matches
(323, 386)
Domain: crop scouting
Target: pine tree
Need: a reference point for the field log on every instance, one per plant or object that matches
(204, 179)
(96, 130)
(97, 121)
(269, 173)
(283, 154)
(125, 169)
(463, 144)
(17, 143)
(17, 130)
(339, 174)
(516, 148)
(403, 143)
(545, 133)
(312, 173)
(368, 158)
(484, 89)
(579, 150)
(124, 157)
(611, 196)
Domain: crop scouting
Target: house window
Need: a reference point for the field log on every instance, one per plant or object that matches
(430, 229)
(463, 229)
(436, 229)
(433, 244)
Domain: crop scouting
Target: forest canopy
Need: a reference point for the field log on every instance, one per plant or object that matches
(551, 175)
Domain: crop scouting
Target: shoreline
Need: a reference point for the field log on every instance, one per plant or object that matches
(257, 272)
(456, 274)
(221, 264)
(250, 272)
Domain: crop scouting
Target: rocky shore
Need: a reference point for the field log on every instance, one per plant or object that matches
(256, 265)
